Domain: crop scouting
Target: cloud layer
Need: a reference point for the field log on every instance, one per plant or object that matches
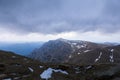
(93, 36)
(57, 16)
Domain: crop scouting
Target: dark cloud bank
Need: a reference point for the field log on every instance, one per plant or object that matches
(54, 16)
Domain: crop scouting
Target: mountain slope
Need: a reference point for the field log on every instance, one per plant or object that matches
(16, 67)
(103, 55)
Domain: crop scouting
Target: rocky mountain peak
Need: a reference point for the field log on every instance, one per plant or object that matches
(62, 50)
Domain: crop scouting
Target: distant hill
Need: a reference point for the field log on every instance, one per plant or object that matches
(20, 48)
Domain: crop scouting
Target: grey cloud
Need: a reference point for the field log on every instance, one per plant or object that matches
(55, 16)
(112, 8)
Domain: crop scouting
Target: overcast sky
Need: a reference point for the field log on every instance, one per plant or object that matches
(42, 20)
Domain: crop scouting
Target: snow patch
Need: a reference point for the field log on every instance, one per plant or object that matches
(70, 56)
(77, 70)
(86, 51)
(47, 73)
(7, 79)
(78, 53)
(59, 70)
(111, 55)
(98, 57)
(78, 46)
(88, 67)
(74, 43)
(30, 69)
(112, 50)
(41, 66)
(83, 46)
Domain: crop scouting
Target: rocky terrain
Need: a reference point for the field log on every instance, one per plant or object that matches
(16, 67)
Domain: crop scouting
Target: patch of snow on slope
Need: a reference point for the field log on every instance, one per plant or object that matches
(98, 57)
(41, 66)
(7, 79)
(70, 56)
(74, 43)
(30, 69)
(88, 67)
(47, 73)
(78, 46)
(112, 50)
(86, 51)
(77, 70)
(78, 53)
(59, 70)
(111, 56)
(83, 46)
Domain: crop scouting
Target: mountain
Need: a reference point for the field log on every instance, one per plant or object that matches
(69, 51)
(20, 48)
(16, 67)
